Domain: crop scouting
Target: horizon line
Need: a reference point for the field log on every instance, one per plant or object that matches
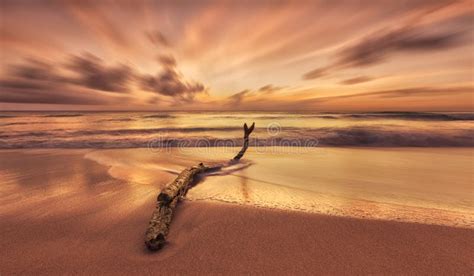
(275, 111)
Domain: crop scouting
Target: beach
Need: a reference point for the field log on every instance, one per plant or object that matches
(236, 138)
(85, 211)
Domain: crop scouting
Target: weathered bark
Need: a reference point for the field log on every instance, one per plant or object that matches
(247, 132)
(169, 197)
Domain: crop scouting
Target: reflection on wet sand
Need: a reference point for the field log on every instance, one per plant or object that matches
(245, 188)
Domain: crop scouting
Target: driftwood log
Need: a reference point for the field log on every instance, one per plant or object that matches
(169, 197)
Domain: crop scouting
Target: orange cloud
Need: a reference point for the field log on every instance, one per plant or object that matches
(196, 55)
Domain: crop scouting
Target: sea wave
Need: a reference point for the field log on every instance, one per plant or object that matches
(213, 129)
(432, 116)
(117, 120)
(414, 116)
(62, 115)
(6, 116)
(357, 136)
(159, 116)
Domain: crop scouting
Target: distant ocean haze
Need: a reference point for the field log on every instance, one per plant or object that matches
(217, 129)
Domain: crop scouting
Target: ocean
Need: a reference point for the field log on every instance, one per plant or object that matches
(412, 167)
(218, 129)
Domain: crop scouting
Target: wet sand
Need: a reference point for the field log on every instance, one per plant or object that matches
(62, 213)
(423, 185)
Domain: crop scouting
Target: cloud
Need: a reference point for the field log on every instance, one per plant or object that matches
(22, 89)
(405, 99)
(400, 93)
(21, 84)
(418, 91)
(264, 91)
(92, 73)
(39, 80)
(380, 46)
(317, 73)
(33, 69)
(96, 18)
(86, 71)
(238, 97)
(356, 80)
(49, 96)
(157, 38)
(77, 81)
(206, 40)
(167, 61)
(169, 82)
(269, 88)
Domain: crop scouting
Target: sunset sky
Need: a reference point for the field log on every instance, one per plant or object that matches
(237, 55)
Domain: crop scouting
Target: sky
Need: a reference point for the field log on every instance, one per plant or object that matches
(413, 55)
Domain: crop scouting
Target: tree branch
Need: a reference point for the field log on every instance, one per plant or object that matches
(158, 227)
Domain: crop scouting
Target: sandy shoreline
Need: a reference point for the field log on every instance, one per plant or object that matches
(65, 214)
(222, 238)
